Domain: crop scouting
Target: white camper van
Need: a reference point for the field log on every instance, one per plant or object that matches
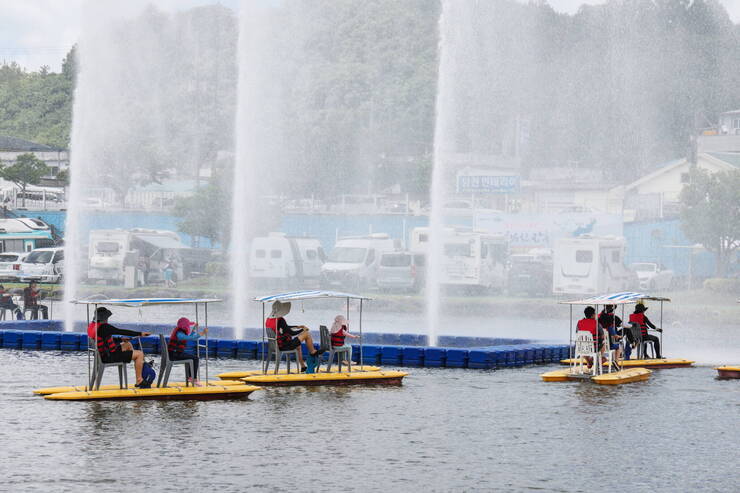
(471, 259)
(278, 260)
(590, 265)
(354, 261)
(145, 251)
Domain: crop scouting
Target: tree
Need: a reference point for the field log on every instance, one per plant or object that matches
(205, 213)
(27, 170)
(710, 213)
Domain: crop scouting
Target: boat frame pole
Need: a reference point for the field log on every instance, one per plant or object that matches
(87, 384)
(205, 322)
(346, 318)
(262, 348)
(361, 360)
(662, 349)
(571, 351)
(197, 346)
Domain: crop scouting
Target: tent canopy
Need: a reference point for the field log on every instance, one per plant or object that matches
(624, 298)
(308, 295)
(137, 302)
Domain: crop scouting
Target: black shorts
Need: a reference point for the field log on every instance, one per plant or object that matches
(291, 345)
(118, 357)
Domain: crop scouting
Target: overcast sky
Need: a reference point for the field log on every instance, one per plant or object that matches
(40, 32)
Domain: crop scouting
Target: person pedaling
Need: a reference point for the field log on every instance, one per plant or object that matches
(290, 337)
(639, 317)
(114, 351)
(179, 338)
(611, 323)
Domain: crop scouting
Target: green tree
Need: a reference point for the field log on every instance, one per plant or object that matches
(206, 213)
(27, 170)
(710, 213)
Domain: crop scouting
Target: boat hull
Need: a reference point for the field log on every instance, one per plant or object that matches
(728, 372)
(629, 375)
(236, 375)
(647, 363)
(168, 393)
(82, 388)
(312, 379)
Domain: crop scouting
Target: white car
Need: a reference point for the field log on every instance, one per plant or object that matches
(652, 276)
(10, 265)
(43, 265)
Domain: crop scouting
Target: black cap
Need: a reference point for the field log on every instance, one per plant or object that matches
(640, 308)
(609, 308)
(102, 313)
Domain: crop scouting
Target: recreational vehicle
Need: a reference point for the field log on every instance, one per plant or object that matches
(471, 259)
(144, 253)
(24, 234)
(589, 265)
(278, 259)
(354, 261)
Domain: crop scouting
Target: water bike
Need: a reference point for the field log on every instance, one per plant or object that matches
(92, 390)
(623, 299)
(585, 363)
(352, 375)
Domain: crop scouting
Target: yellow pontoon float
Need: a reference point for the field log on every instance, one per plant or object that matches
(236, 375)
(584, 348)
(367, 375)
(179, 391)
(727, 372)
(624, 299)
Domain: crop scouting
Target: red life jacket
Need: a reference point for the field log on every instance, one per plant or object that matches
(639, 318)
(337, 338)
(92, 330)
(176, 345)
(282, 339)
(106, 345)
(589, 325)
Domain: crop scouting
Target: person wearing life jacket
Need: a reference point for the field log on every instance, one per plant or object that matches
(590, 325)
(181, 334)
(639, 317)
(611, 322)
(339, 332)
(290, 337)
(114, 351)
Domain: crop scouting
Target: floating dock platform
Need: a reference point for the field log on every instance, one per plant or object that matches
(81, 388)
(629, 375)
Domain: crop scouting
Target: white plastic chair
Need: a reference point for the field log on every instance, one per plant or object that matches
(585, 348)
(611, 354)
(274, 352)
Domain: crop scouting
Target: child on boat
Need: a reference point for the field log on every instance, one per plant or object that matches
(611, 322)
(113, 351)
(290, 337)
(179, 338)
(339, 331)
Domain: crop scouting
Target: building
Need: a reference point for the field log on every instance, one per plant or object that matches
(657, 194)
(56, 159)
(724, 137)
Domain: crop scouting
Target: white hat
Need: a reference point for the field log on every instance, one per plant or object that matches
(280, 309)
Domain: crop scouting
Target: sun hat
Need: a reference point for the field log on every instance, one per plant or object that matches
(280, 309)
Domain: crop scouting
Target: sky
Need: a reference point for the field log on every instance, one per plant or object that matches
(40, 32)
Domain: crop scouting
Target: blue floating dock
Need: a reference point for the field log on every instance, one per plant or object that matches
(407, 349)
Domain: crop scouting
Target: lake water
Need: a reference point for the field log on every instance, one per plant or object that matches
(442, 430)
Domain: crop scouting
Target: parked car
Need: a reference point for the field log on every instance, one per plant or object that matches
(401, 271)
(10, 265)
(531, 273)
(652, 276)
(43, 265)
(354, 261)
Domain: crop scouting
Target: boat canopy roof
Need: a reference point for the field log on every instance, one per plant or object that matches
(624, 298)
(308, 295)
(146, 301)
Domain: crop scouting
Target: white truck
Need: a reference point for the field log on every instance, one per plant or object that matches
(473, 260)
(281, 260)
(590, 265)
(353, 262)
(143, 252)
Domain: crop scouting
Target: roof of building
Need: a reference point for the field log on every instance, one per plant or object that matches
(726, 159)
(730, 112)
(16, 144)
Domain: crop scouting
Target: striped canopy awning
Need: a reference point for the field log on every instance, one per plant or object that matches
(146, 301)
(623, 298)
(308, 295)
